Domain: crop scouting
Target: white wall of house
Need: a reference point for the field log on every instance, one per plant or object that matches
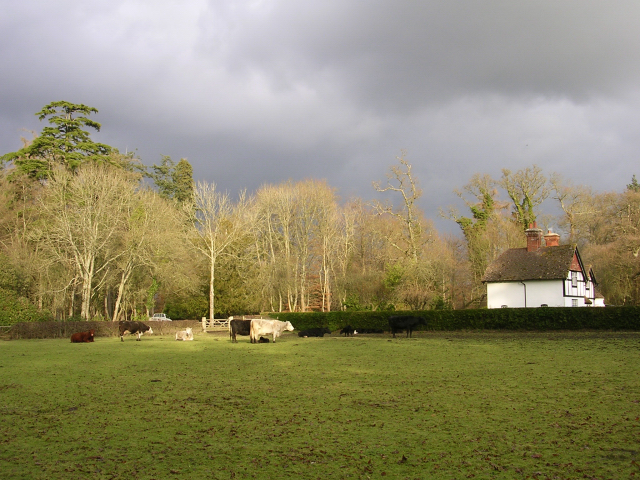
(541, 292)
(538, 292)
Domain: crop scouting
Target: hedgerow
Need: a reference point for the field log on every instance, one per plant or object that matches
(546, 318)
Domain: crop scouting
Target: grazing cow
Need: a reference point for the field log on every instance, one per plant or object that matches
(185, 334)
(263, 340)
(314, 332)
(398, 323)
(266, 327)
(371, 330)
(133, 327)
(82, 337)
(239, 327)
(348, 330)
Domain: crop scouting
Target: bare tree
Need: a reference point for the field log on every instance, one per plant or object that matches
(153, 236)
(576, 202)
(218, 223)
(401, 180)
(274, 213)
(527, 189)
(296, 232)
(322, 229)
(82, 215)
(344, 248)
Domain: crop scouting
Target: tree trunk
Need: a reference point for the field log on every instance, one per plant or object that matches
(87, 279)
(212, 291)
(123, 281)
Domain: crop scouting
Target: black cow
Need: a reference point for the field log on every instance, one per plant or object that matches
(314, 332)
(133, 327)
(263, 340)
(239, 327)
(348, 330)
(398, 323)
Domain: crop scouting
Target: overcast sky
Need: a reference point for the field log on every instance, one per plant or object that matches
(262, 91)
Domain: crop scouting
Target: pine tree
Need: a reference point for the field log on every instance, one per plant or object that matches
(174, 181)
(183, 182)
(634, 186)
(63, 143)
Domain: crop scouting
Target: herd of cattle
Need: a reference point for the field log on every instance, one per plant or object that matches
(256, 328)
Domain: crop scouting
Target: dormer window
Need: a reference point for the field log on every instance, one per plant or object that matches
(574, 279)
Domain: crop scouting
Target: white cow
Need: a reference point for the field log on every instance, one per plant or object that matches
(185, 334)
(268, 327)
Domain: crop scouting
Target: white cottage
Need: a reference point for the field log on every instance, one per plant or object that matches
(541, 276)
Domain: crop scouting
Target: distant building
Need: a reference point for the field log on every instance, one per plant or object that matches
(552, 275)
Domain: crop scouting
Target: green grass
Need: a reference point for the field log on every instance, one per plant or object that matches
(442, 405)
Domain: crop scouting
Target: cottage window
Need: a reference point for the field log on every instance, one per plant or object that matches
(574, 302)
(574, 279)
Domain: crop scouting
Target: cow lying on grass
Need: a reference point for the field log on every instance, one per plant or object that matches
(398, 323)
(82, 337)
(133, 327)
(185, 334)
(370, 330)
(268, 327)
(263, 340)
(314, 332)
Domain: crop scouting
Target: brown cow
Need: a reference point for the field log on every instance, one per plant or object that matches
(82, 337)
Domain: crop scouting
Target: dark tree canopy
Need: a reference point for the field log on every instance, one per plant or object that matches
(64, 142)
(183, 180)
(174, 181)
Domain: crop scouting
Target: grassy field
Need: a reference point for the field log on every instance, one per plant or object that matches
(442, 405)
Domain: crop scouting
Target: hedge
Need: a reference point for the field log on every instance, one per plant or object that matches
(102, 329)
(541, 319)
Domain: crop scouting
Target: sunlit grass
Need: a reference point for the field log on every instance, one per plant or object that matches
(442, 405)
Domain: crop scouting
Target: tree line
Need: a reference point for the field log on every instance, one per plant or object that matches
(88, 232)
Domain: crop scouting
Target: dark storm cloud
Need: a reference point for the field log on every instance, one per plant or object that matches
(418, 53)
(252, 92)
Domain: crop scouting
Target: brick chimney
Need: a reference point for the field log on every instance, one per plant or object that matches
(534, 237)
(552, 239)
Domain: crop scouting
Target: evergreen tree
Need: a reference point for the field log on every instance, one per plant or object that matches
(63, 143)
(183, 182)
(162, 176)
(174, 181)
